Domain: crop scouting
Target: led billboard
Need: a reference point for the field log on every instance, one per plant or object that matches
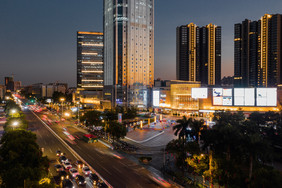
(266, 97)
(199, 93)
(156, 98)
(249, 97)
(244, 97)
(227, 97)
(222, 97)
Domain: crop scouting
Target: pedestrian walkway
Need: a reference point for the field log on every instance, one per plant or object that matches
(142, 135)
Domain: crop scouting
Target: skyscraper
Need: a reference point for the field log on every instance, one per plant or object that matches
(90, 62)
(257, 52)
(9, 83)
(129, 51)
(198, 53)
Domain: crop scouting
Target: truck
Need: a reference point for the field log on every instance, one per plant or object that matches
(90, 138)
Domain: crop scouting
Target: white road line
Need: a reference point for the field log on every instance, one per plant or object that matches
(72, 150)
(140, 142)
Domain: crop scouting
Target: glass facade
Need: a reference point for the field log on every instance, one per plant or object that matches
(90, 62)
(129, 50)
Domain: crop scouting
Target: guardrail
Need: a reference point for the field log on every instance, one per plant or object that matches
(71, 150)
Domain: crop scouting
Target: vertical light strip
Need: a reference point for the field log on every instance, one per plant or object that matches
(192, 52)
(264, 48)
(211, 55)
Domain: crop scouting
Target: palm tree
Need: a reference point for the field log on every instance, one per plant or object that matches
(197, 126)
(181, 129)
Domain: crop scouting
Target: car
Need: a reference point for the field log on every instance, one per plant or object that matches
(67, 165)
(86, 171)
(63, 175)
(79, 164)
(59, 167)
(63, 159)
(73, 172)
(80, 180)
(67, 183)
(59, 153)
(94, 179)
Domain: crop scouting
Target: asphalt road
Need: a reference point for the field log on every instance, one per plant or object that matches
(118, 172)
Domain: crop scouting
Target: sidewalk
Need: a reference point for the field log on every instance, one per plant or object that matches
(140, 136)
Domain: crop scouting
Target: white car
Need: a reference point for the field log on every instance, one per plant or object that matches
(73, 172)
(86, 171)
(67, 165)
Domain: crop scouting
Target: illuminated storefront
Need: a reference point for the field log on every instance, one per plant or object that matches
(183, 96)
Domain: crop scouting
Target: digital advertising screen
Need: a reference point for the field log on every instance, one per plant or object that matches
(156, 98)
(217, 96)
(222, 97)
(266, 97)
(244, 97)
(199, 93)
(227, 97)
(249, 99)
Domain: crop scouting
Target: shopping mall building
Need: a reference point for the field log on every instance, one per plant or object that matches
(189, 97)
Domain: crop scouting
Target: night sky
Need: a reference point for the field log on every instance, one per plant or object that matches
(38, 37)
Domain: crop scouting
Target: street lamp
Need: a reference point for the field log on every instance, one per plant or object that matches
(13, 111)
(15, 124)
(67, 114)
(78, 108)
(62, 100)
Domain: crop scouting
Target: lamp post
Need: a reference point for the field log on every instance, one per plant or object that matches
(15, 123)
(78, 108)
(13, 111)
(62, 100)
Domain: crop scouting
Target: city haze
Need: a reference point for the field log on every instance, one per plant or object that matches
(38, 38)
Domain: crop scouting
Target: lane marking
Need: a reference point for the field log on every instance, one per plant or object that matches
(140, 142)
(72, 150)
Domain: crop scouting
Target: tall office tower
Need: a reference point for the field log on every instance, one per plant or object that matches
(198, 53)
(9, 83)
(129, 51)
(257, 52)
(90, 76)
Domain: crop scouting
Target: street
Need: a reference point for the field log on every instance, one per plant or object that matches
(118, 172)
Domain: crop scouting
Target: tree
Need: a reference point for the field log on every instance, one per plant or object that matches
(182, 128)
(197, 126)
(14, 123)
(116, 129)
(257, 117)
(11, 105)
(21, 159)
(92, 117)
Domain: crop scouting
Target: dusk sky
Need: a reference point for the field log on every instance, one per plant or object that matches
(38, 37)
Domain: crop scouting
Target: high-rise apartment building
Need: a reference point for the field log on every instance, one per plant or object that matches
(198, 53)
(90, 62)
(257, 52)
(129, 51)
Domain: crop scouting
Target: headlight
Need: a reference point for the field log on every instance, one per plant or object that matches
(62, 178)
(84, 181)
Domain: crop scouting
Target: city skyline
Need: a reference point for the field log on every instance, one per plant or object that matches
(40, 22)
